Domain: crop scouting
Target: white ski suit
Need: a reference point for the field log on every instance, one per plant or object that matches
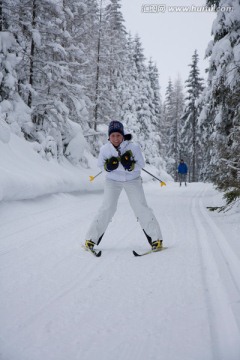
(131, 182)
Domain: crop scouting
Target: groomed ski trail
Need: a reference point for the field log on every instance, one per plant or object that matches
(59, 302)
(212, 247)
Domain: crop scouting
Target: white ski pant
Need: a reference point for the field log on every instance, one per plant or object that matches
(137, 200)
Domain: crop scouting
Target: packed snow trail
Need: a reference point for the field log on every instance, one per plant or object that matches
(58, 302)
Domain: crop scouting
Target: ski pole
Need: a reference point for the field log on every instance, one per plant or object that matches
(162, 183)
(93, 177)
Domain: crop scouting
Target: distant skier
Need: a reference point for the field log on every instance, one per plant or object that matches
(122, 161)
(182, 172)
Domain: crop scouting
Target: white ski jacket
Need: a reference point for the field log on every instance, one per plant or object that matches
(120, 174)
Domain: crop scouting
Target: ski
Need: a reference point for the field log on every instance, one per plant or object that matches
(93, 252)
(149, 251)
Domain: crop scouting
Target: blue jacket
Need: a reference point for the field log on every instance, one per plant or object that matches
(182, 168)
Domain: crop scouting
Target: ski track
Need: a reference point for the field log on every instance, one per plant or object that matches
(58, 302)
(225, 343)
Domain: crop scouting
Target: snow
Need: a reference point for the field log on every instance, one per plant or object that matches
(76, 147)
(59, 302)
(36, 37)
(6, 41)
(4, 133)
(225, 50)
(25, 175)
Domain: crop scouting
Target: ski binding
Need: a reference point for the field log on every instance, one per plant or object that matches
(149, 251)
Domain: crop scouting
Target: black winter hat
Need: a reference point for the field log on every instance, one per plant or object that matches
(115, 126)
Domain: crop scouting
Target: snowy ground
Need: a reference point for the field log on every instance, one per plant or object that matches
(58, 302)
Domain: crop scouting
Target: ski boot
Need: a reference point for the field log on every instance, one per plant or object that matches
(89, 244)
(157, 245)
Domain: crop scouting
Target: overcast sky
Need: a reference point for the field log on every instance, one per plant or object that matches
(169, 37)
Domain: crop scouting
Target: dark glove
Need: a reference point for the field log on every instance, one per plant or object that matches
(127, 161)
(111, 164)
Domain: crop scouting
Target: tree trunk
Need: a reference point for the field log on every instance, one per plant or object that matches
(98, 71)
(32, 53)
(1, 16)
(194, 146)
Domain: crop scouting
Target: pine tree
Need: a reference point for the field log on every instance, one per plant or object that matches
(167, 121)
(224, 97)
(190, 130)
(8, 76)
(51, 80)
(79, 44)
(12, 110)
(205, 122)
(175, 138)
(116, 46)
(143, 101)
(82, 25)
(156, 98)
(173, 108)
(128, 89)
(155, 105)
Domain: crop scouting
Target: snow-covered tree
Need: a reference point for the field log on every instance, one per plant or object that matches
(224, 85)
(205, 123)
(74, 64)
(190, 130)
(143, 99)
(173, 108)
(156, 98)
(155, 107)
(13, 112)
(167, 120)
(8, 53)
(174, 133)
(129, 89)
(8, 61)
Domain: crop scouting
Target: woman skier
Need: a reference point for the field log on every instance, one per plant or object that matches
(122, 161)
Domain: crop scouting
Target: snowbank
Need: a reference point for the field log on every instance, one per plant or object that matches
(25, 175)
